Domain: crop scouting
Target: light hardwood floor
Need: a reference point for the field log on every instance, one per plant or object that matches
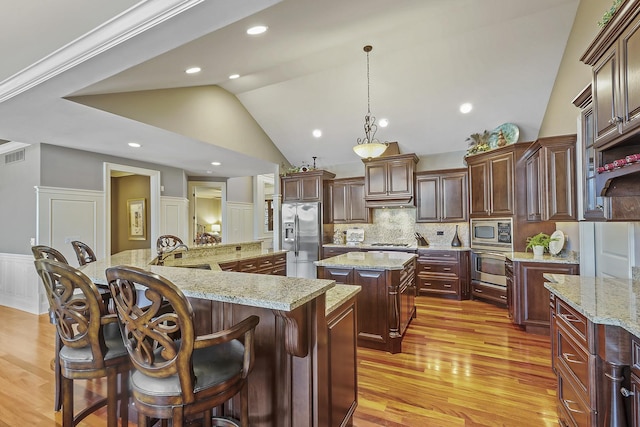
(463, 364)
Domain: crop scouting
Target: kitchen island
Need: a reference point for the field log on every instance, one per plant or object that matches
(304, 324)
(386, 303)
(595, 342)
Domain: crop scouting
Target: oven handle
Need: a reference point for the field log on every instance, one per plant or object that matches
(494, 254)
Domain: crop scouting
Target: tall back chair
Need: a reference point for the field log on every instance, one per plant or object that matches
(166, 242)
(176, 374)
(40, 252)
(83, 252)
(43, 251)
(92, 346)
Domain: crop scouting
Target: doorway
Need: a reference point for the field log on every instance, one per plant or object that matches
(207, 211)
(151, 206)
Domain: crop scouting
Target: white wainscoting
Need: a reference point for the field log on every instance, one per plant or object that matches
(174, 217)
(20, 285)
(239, 222)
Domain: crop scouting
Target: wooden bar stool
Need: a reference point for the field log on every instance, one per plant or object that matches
(83, 252)
(92, 346)
(177, 374)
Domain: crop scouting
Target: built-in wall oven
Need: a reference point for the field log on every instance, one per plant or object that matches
(491, 239)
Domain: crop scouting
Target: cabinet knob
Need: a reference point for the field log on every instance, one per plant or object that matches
(600, 207)
(615, 120)
(626, 393)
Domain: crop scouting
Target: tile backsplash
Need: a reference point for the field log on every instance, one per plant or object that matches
(397, 225)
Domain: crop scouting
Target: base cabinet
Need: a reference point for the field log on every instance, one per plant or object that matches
(528, 299)
(386, 303)
(275, 265)
(443, 273)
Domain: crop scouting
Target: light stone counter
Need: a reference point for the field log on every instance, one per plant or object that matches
(369, 260)
(529, 257)
(337, 295)
(607, 301)
(257, 290)
(192, 257)
(444, 248)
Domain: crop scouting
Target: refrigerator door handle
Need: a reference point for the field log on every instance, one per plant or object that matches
(296, 229)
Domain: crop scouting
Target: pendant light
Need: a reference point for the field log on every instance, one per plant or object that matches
(369, 147)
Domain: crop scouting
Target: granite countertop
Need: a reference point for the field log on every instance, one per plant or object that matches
(337, 295)
(369, 260)
(444, 248)
(215, 259)
(609, 301)
(529, 257)
(413, 247)
(257, 290)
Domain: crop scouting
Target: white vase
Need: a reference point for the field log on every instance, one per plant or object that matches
(538, 251)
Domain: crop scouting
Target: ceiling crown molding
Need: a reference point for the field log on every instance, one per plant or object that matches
(128, 24)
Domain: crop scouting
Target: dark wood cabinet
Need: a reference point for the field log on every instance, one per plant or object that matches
(386, 303)
(388, 181)
(551, 179)
(347, 201)
(443, 273)
(527, 298)
(492, 182)
(442, 196)
(305, 186)
(275, 265)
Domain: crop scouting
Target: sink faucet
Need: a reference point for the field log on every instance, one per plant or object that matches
(164, 253)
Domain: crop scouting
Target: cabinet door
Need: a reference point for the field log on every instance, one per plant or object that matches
(534, 199)
(595, 207)
(478, 201)
(311, 188)
(339, 202)
(372, 306)
(501, 185)
(454, 197)
(605, 82)
(630, 76)
(357, 212)
(400, 178)
(560, 172)
(375, 179)
(427, 198)
(291, 190)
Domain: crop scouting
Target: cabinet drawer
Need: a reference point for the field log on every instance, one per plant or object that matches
(494, 293)
(435, 255)
(248, 266)
(229, 266)
(574, 360)
(265, 262)
(439, 285)
(280, 259)
(575, 323)
(572, 410)
(439, 268)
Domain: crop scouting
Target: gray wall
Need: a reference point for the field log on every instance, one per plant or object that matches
(240, 189)
(68, 168)
(18, 202)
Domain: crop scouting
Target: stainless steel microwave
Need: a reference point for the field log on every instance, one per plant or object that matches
(492, 233)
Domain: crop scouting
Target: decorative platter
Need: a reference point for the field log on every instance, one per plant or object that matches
(557, 242)
(509, 130)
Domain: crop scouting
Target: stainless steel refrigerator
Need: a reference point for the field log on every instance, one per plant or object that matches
(302, 237)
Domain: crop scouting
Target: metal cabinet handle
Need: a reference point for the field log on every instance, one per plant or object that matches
(446, 269)
(568, 358)
(626, 393)
(567, 404)
(570, 318)
(478, 290)
(503, 297)
(447, 285)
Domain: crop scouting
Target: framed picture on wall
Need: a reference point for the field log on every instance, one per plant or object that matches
(137, 219)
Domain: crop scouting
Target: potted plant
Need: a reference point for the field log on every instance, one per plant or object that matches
(538, 243)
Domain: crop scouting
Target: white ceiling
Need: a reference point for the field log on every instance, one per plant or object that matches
(308, 71)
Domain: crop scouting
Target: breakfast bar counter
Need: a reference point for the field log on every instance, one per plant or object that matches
(306, 326)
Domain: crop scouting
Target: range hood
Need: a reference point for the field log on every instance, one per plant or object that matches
(389, 181)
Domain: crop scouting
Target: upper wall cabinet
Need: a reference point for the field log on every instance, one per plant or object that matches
(551, 179)
(347, 201)
(305, 186)
(442, 196)
(388, 181)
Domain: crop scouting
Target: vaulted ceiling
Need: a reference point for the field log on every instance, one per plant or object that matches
(308, 71)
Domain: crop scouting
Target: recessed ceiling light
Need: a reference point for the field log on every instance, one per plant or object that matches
(234, 76)
(216, 163)
(317, 133)
(193, 70)
(258, 29)
(384, 123)
(134, 145)
(466, 108)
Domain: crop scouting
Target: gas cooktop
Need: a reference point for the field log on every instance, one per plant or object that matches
(398, 245)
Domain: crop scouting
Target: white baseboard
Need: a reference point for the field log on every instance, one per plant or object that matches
(20, 286)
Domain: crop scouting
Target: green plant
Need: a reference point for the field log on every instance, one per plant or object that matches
(609, 13)
(540, 239)
(478, 142)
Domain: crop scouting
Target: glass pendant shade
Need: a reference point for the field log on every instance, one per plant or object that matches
(367, 150)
